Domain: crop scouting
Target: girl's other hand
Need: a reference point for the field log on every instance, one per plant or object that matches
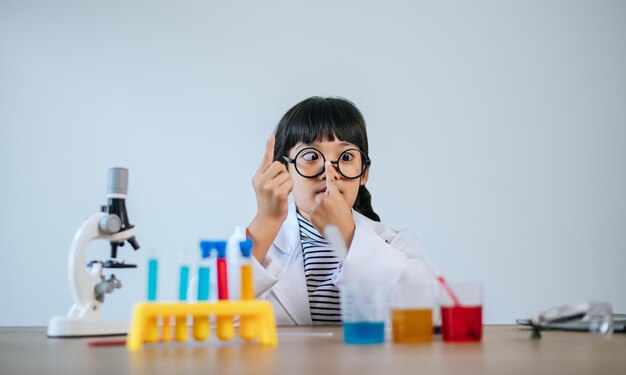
(332, 208)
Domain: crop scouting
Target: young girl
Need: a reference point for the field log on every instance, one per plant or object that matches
(319, 154)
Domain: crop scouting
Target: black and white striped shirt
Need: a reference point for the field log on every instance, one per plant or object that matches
(320, 263)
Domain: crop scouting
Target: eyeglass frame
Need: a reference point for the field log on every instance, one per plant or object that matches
(366, 163)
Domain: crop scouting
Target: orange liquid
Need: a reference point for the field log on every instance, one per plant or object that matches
(247, 325)
(247, 286)
(412, 325)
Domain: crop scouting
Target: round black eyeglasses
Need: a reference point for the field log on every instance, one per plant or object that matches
(309, 163)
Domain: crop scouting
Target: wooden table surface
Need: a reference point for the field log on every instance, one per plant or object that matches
(505, 349)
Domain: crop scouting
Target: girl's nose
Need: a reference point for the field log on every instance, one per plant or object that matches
(331, 169)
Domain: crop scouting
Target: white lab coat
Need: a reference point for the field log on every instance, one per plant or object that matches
(378, 254)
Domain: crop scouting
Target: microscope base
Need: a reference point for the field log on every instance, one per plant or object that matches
(67, 327)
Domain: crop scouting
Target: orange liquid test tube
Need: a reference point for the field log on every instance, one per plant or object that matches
(247, 326)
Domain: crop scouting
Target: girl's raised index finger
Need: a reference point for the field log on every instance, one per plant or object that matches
(268, 157)
(330, 181)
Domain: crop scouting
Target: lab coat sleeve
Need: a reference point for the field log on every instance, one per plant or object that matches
(371, 259)
(265, 275)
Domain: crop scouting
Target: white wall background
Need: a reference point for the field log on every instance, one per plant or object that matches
(497, 130)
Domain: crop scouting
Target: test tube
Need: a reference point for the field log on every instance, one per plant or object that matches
(184, 277)
(152, 333)
(222, 277)
(201, 329)
(153, 269)
(225, 326)
(247, 285)
(181, 321)
(204, 271)
(247, 327)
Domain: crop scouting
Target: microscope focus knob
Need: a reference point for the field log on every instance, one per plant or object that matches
(110, 224)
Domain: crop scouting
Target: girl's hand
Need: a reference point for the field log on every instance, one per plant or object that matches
(272, 185)
(332, 208)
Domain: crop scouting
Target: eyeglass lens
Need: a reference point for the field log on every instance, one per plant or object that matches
(310, 163)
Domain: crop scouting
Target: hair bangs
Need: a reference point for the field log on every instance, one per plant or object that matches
(320, 119)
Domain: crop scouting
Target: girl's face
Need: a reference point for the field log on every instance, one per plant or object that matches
(305, 190)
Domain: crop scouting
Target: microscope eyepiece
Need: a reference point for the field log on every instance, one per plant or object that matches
(117, 182)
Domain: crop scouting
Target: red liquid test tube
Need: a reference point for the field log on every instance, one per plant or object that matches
(222, 278)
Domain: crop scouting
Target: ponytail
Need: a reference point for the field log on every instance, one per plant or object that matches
(363, 204)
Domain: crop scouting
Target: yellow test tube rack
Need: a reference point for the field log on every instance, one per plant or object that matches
(256, 321)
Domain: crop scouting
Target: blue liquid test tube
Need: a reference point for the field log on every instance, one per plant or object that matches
(184, 282)
(180, 325)
(183, 285)
(201, 328)
(153, 268)
(152, 329)
(204, 271)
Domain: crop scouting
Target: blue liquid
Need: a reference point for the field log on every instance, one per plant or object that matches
(184, 283)
(153, 266)
(364, 333)
(203, 283)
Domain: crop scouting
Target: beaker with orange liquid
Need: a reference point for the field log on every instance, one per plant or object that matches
(412, 312)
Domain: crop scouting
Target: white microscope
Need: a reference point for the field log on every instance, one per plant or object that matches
(87, 282)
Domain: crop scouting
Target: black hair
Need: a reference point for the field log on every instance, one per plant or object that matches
(316, 119)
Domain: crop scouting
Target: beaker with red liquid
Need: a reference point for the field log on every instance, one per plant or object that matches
(463, 322)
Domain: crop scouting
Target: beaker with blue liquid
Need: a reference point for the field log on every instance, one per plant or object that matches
(364, 311)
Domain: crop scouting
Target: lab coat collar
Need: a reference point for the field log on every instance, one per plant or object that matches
(288, 236)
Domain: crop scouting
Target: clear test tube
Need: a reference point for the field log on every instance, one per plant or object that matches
(247, 326)
(225, 325)
(201, 328)
(180, 327)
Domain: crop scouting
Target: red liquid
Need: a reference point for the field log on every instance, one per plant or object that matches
(222, 283)
(462, 323)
